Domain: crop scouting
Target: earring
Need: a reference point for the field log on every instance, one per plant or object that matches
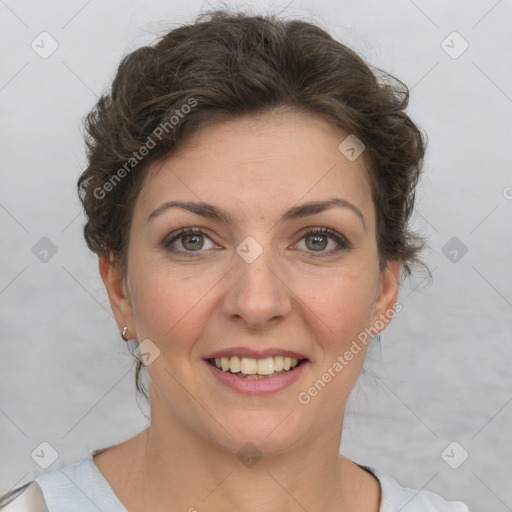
(123, 334)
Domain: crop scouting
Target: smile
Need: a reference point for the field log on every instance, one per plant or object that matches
(250, 368)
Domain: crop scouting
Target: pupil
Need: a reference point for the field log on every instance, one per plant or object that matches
(195, 240)
(316, 243)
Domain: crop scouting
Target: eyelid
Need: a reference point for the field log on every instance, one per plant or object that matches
(342, 242)
(176, 235)
(340, 239)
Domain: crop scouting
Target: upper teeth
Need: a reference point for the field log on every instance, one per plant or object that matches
(249, 366)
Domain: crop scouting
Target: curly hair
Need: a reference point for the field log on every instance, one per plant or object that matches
(228, 64)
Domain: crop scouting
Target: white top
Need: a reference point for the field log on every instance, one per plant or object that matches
(81, 487)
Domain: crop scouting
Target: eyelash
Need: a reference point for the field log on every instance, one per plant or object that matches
(343, 243)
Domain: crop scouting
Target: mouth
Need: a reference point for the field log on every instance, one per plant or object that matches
(251, 368)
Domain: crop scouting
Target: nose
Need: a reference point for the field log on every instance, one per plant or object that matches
(255, 293)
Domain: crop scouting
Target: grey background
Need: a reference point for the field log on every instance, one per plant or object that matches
(444, 371)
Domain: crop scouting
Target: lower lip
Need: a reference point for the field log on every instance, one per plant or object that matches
(266, 386)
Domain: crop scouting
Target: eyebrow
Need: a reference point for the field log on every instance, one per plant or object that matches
(302, 210)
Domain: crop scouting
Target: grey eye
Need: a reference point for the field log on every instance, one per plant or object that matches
(318, 242)
(192, 242)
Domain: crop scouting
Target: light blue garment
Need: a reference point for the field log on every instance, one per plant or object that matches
(81, 487)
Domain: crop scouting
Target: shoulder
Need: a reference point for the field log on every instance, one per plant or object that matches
(27, 498)
(395, 497)
(79, 487)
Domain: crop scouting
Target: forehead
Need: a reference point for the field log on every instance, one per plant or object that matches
(259, 163)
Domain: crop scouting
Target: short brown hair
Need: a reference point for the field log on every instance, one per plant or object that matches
(227, 64)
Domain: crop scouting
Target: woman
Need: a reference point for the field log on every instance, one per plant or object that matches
(248, 191)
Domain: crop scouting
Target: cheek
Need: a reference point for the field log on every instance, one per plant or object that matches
(171, 304)
(167, 304)
(342, 304)
(339, 311)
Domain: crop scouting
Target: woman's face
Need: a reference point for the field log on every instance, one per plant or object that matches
(253, 280)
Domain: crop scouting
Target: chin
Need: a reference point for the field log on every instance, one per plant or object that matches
(260, 432)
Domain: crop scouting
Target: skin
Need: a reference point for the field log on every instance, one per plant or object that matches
(291, 297)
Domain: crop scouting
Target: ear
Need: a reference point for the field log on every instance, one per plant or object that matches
(387, 295)
(118, 295)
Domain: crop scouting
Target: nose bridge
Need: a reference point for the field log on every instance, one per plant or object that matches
(256, 292)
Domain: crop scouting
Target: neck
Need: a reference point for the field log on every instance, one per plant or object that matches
(183, 468)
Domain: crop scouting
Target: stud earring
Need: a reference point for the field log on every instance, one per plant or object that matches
(123, 334)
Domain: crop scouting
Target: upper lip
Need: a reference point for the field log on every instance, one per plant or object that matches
(254, 354)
